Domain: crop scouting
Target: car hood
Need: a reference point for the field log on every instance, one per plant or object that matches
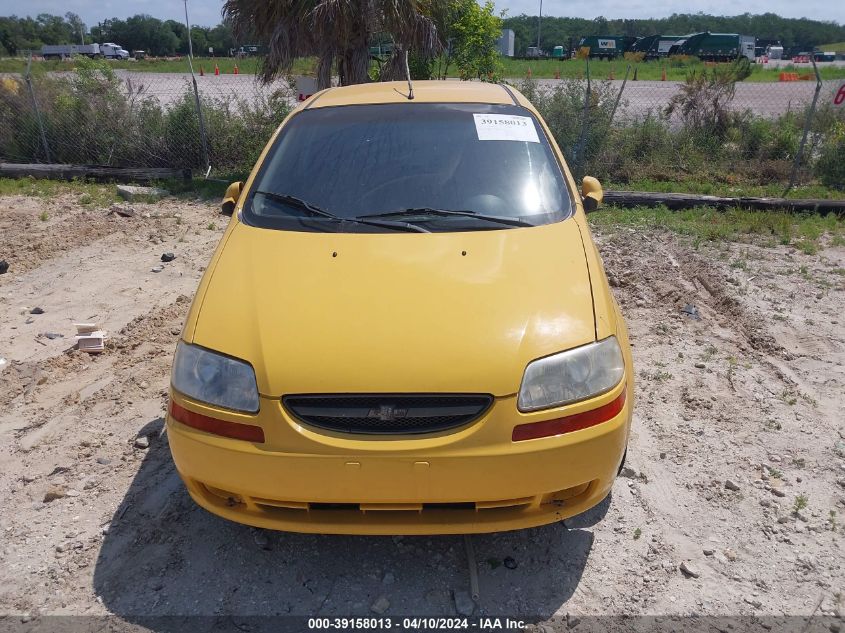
(396, 312)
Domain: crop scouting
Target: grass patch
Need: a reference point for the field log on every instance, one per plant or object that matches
(711, 187)
(90, 194)
(247, 66)
(511, 68)
(709, 224)
(99, 195)
(212, 189)
(646, 71)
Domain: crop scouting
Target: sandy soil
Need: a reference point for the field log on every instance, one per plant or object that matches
(739, 422)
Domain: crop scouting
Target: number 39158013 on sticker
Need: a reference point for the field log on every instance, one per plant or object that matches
(505, 127)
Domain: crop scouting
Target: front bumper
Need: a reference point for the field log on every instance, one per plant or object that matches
(474, 479)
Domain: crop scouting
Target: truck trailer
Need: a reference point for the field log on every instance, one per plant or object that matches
(605, 46)
(505, 43)
(715, 47)
(63, 51)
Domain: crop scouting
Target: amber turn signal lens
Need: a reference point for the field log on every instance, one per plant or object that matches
(576, 422)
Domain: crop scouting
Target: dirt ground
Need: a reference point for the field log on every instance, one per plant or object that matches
(733, 501)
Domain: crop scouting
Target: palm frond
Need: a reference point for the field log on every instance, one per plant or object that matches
(336, 31)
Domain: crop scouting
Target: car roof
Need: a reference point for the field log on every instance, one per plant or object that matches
(424, 92)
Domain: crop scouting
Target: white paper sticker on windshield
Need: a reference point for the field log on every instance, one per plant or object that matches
(505, 127)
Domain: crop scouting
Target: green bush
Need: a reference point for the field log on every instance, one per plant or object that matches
(703, 101)
(830, 166)
(94, 117)
(563, 108)
(717, 146)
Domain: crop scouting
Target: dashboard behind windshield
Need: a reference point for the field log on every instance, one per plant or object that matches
(365, 160)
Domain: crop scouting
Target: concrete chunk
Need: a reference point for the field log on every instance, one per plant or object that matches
(133, 192)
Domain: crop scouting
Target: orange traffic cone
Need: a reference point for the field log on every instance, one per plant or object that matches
(529, 72)
(202, 72)
(216, 70)
(236, 69)
(663, 74)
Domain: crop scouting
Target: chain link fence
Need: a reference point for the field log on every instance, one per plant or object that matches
(619, 129)
(712, 133)
(133, 119)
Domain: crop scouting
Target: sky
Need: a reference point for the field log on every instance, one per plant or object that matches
(207, 12)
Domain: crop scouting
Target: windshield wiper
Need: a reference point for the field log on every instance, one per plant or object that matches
(314, 210)
(448, 212)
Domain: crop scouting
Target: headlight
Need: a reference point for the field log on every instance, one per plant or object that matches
(572, 375)
(214, 379)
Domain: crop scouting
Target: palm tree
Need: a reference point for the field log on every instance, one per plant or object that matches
(335, 31)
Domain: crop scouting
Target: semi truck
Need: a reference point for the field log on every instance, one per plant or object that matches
(654, 46)
(765, 46)
(605, 46)
(113, 51)
(532, 52)
(715, 47)
(64, 51)
(774, 52)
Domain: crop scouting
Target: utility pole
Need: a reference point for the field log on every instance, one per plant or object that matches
(190, 45)
(539, 23)
(197, 102)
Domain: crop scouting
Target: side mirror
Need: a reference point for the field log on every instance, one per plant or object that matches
(230, 198)
(591, 193)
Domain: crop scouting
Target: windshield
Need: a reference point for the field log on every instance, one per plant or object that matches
(414, 162)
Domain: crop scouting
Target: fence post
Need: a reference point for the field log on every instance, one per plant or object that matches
(619, 96)
(616, 104)
(203, 138)
(582, 139)
(28, 79)
(810, 113)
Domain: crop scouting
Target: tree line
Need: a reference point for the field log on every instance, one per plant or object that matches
(792, 32)
(169, 37)
(140, 32)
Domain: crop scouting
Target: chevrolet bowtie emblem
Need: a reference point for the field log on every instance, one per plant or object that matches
(387, 413)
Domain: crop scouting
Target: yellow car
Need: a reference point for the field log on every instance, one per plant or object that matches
(406, 328)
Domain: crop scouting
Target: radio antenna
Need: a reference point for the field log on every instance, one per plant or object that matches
(408, 76)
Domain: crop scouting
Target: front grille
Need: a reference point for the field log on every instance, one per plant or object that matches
(388, 413)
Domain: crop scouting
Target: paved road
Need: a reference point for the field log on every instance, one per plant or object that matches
(768, 99)
(782, 63)
(640, 97)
